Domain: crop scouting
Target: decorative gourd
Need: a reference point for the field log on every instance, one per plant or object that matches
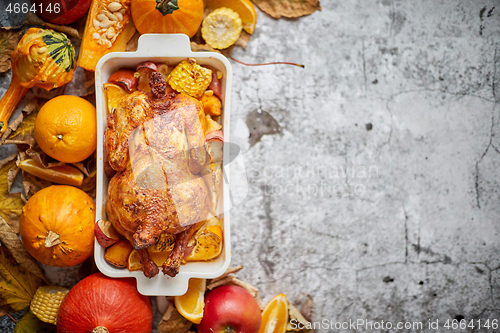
(167, 16)
(109, 27)
(43, 58)
(57, 225)
(101, 304)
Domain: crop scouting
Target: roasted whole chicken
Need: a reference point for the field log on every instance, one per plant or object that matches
(156, 144)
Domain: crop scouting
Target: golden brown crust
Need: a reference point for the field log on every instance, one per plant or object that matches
(157, 144)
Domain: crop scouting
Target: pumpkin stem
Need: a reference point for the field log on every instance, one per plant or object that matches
(52, 239)
(100, 329)
(166, 6)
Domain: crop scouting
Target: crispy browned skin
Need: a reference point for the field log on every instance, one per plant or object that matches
(148, 265)
(158, 190)
(132, 111)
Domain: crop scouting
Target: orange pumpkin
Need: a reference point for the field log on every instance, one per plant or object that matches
(102, 304)
(167, 16)
(57, 225)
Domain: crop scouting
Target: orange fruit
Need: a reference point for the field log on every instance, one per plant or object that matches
(61, 174)
(66, 128)
(275, 315)
(244, 8)
(134, 261)
(208, 244)
(114, 94)
(191, 304)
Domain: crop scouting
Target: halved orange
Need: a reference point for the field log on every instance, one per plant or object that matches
(114, 94)
(191, 304)
(275, 315)
(61, 174)
(244, 8)
(134, 261)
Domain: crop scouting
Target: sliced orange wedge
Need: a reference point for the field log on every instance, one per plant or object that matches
(134, 261)
(208, 244)
(275, 315)
(244, 8)
(191, 304)
(114, 94)
(61, 174)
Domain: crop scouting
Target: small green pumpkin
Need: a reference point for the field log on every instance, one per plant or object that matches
(44, 58)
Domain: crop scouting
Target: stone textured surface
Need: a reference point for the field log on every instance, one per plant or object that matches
(373, 172)
(379, 196)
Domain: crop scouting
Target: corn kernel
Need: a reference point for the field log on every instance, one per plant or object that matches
(190, 78)
(219, 75)
(46, 302)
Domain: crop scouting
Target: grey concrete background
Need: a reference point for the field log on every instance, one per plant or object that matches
(373, 172)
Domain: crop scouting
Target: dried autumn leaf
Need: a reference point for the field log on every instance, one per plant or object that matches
(133, 42)
(11, 204)
(8, 42)
(243, 40)
(11, 241)
(195, 47)
(288, 8)
(18, 285)
(21, 131)
(32, 184)
(29, 323)
(33, 19)
(173, 322)
(296, 320)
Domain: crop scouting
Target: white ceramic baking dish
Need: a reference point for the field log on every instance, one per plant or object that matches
(171, 48)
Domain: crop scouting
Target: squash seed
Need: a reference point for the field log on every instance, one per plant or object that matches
(114, 6)
(111, 17)
(97, 24)
(95, 35)
(110, 33)
(119, 16)
(101, 17)
(105, 24)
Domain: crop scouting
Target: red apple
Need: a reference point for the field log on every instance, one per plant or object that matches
(60, 12)
(105, 233)
(230, 309)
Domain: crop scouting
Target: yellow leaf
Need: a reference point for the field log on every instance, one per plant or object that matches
(10, 204)
(21, 131)
(18, 285)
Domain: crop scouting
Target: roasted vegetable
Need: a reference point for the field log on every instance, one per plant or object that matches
(43, 58)
(190, 78)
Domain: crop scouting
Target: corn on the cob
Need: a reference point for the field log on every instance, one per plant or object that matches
(221, 28)
(190, 78)
(46, 302)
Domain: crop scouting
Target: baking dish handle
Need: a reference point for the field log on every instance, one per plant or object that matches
(165, 45)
